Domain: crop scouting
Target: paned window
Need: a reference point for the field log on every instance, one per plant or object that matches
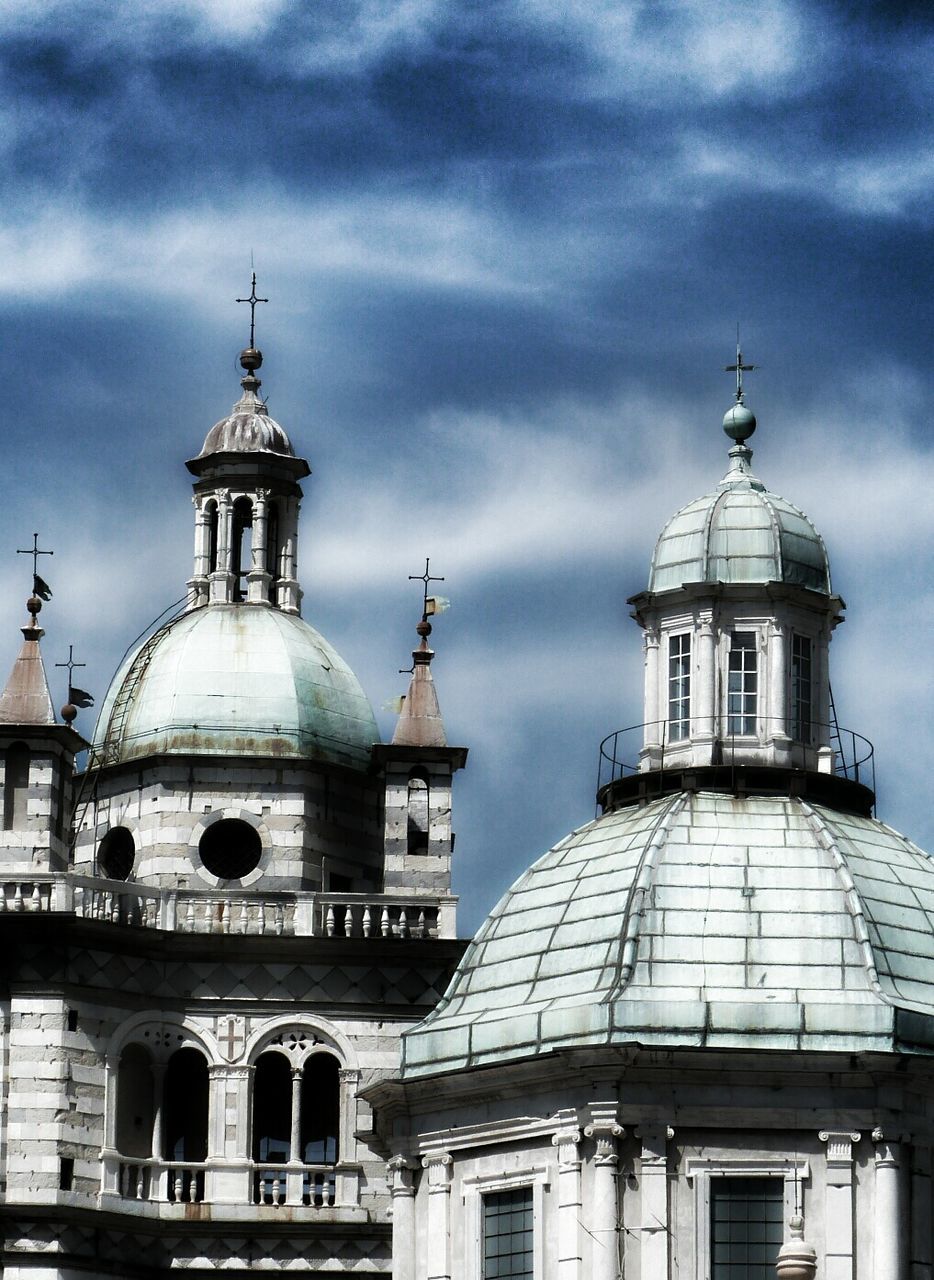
(743, 683)
(507, 1234)
(801, 688)
(745, 1227)
(679, 687)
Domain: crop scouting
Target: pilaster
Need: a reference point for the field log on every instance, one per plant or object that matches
(889, 1251)
(838, 1203)
(654, 1179)
(440, 1169)
(401, 1174)
(604, 1218)
(569, 1203)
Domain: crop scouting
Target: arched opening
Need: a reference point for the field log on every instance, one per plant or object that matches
(272, 549)
(272, 1124)
(321, 1109)
(135, 1103)
(15, 786)
(242, 543)
(211, 511)
(230, 848)
(418, 811)
(116, 853)
(185, 1122)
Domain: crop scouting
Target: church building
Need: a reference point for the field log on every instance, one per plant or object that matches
(239, 1035)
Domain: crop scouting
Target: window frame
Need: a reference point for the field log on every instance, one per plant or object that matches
(678, 687)
(476, 1187)
(802, 730)
(700, 1171)
(743, 715)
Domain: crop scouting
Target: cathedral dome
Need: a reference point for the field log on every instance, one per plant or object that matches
(740, 533)
(236, 679)
(248, 428)
(699, 920)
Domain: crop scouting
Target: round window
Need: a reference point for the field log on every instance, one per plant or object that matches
(116, 853)
(230, 849)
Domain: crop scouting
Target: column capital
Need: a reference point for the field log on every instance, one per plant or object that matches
(839, 1144)
(604, 1129)
(440, 1169)
(887, 1147)
(654, 1139)
(567, 1142)
(348, 1075)
(401, 1172)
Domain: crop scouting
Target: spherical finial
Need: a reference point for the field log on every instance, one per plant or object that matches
(424, 628)
(69, 712)
(34, 605)
(739, 422)
(251, 359)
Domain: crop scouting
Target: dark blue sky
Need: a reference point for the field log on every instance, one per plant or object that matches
(506, 245)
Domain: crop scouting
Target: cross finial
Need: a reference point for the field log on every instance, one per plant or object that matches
(34, 551)
(425, 578)
(70, 664)
(252, 300)
(739, 369)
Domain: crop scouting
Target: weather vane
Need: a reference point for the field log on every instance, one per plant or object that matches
(425, 577)
(739, 369)
(40, 588)
(252, 300)
(77, 697)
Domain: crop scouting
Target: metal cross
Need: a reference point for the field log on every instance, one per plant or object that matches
(70, 664)
(35, 552)
(252, 300)
(425, 578)
(739, 369)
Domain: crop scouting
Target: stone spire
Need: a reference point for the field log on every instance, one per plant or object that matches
(420, 723)
(26, 698)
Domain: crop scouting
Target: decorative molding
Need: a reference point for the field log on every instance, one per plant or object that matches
(604, 1130)
(440, 1170)
(401, 1173)
(567, 1142)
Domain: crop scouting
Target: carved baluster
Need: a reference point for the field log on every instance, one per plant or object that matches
(226, 908)
(18, 898)
(348, 922)
(140, 1178)
(190, 916)
(329, 921)
(367, 921)
(421, 924)
(403, 923)
(179, 1185)
(384, 922)
(280, 919)
(35, 898)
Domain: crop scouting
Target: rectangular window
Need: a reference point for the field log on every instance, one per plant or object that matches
(801, 688)
(742, 683)
(679, 687)
(507, 1234)
(745, 1227)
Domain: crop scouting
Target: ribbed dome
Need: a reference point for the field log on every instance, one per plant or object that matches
(700, 920)
(740, 533)
(248, 428)
(237, 680)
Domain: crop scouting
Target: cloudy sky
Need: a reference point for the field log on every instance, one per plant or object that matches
(507, 244)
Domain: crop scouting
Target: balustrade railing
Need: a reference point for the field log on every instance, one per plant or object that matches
(176, 1182)
(154, 1180)
(313, 1186)
(244, 913)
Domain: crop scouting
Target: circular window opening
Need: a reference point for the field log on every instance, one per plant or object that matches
(230, 849)
(116, 853)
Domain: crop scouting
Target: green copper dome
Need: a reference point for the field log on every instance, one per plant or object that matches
(740, 533)
(699, 920)
(236, 679)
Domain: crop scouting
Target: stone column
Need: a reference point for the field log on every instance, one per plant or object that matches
(569, 1203)
(287, 589)
(295, 1135)
(654, 1179)
(158, 1099)
(888, 1227)
(838, 1203)
(653, 730)
(222, 578)
(111, 1073)
(777, 710)
(402, 1190)
(440, 1167)
(604, 1217)
(258, 578)
(703, 692)
(198, 583)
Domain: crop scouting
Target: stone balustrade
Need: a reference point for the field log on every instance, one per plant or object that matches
(149, 1181)
(289, 914)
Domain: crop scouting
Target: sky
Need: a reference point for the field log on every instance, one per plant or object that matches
(506, 245)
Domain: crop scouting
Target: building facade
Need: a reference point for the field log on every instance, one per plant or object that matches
(215, 933)
(694, 1040)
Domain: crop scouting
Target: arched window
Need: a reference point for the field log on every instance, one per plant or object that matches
(116, 853)
(418, 811)
(135, 1099)
(272, 549)
(185, 1121)
(15, 786)
(242, 543)
(211, 511)
(321, 1109)
(272, 1109)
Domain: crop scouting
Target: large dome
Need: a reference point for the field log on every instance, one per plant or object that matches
(700, 920)
(236, 679)
(740, 533)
